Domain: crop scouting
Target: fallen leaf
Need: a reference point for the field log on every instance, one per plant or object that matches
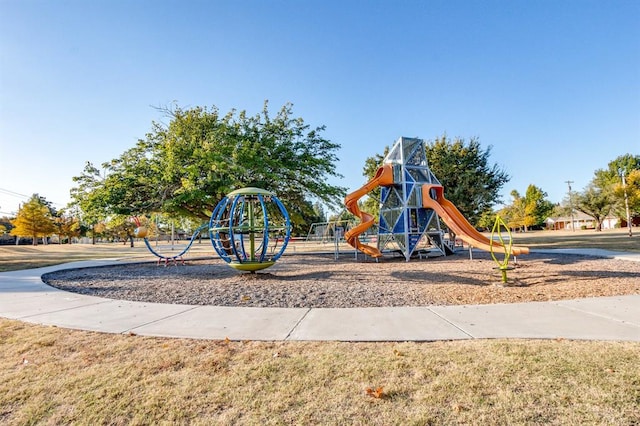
(397, 352)
(245, 298)
(375, 393)
(459, 407)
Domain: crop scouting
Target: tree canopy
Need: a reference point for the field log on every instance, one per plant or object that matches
(606, 193)
(595, 202)
(528, 211)
(470, 182)
(185, 167)
(610, 180)
(34, 220)
(66, 226)
(610, 176)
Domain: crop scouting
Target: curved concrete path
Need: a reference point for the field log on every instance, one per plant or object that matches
(25, 297)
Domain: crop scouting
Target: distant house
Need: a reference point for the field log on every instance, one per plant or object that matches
(580, 221)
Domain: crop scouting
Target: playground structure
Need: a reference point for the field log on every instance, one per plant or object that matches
(143, 232)
(412, 202)
(245, 229)
(328, 232)
(244, 224)
(503, 265)
(248, 224)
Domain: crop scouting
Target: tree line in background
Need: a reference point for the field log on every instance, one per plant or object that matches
(37, 220)
(180, 170)
(612, 192)
(473, 185)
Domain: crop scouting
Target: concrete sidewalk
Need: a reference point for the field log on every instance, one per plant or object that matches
(25, 297)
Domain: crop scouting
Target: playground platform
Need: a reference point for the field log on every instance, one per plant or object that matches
(24, 297)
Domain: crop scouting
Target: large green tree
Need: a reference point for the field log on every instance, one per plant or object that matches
(121, 227)
(607, 192)
(89, 196)
(515, 213)
(595, 202)
(185, 167)
(35, 219)
(470, 181)
(611, 176)
(66, 226)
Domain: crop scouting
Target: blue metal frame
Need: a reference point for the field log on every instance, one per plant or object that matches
(179, 255)
(232, 209)
(232, 238)
(214, 229)
(288, 228)
(397, 203)
(265, 224)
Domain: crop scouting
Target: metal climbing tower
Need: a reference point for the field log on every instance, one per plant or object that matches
(404, 224)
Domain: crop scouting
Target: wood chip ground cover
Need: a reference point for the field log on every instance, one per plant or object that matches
(321, 281)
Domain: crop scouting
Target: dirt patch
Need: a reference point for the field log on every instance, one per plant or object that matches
(319, 281)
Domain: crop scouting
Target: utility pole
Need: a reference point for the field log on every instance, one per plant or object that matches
(626, 202)
(573, 225)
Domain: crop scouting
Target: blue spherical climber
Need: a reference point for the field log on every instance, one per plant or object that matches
(246, 228)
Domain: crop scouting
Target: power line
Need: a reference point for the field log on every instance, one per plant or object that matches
(13, 193)
(23, 196)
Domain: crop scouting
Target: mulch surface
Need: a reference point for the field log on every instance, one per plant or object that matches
(319, 281)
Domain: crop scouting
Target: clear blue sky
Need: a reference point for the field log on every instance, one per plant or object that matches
(553, 86)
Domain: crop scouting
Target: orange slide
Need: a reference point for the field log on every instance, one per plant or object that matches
(383, 177)
(459, 224)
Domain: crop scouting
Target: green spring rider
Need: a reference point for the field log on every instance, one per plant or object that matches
(497, 231)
